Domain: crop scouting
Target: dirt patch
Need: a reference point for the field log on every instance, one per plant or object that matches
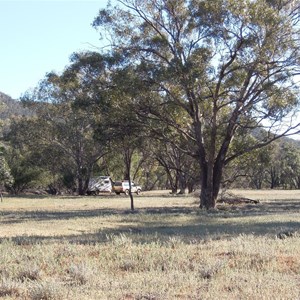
(288, 264)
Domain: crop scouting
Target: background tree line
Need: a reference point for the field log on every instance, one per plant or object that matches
(188, 93)
(39, 156)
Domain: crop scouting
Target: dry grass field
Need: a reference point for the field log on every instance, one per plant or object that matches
(95, 248)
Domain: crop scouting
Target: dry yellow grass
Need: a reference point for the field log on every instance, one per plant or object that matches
(94, 248)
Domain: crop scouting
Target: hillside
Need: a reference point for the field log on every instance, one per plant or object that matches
(10, 108)
(291, 141)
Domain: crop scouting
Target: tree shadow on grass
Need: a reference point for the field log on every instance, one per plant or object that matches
(20, 216)
(161, 224)
(223, 211)
(162, 233)
(14, 217)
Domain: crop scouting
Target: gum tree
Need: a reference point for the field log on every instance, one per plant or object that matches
(225, 67)
(68, 114)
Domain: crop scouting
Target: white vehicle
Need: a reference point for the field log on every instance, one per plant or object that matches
(100, 184)
(123, 187)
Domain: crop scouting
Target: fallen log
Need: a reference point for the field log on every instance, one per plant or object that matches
(237, 200)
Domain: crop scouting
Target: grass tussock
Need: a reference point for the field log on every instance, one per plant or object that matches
(170, 252)
(45, 290)
(9, 288)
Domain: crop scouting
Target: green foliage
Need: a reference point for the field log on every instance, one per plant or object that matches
(211, 70)
(191, 87)
(274, 166)
(67, 116)
(6, 178)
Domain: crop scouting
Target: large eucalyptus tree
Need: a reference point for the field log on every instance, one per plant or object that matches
(211, 69)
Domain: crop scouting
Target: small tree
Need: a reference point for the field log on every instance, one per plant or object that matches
(125, 138)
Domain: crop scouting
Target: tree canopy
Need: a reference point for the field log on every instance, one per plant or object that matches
(212, 72)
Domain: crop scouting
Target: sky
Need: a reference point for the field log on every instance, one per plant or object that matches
(38, 36)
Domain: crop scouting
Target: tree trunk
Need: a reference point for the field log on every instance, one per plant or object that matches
(130, 189)
(209, 194)
(182, 183)
(127, 159)
(191, 187)
(207, 199)
(173, 182)
(210, 186)
(131, 197)
(80, 186)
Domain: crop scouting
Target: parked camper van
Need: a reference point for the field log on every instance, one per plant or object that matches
(123, 187)
(100, 184)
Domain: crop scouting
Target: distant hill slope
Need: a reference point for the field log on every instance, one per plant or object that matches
(10, 108)
(291, 141)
